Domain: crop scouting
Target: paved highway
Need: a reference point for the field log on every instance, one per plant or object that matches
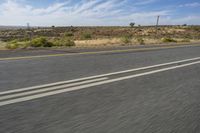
(122, 91)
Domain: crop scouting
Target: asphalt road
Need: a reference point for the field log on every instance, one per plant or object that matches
(156, 99)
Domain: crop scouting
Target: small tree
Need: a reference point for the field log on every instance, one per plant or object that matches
(132, 24)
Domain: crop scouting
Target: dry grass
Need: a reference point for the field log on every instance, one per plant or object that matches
(112, 42)
(118, 42)
(2, 45)
(98, 42)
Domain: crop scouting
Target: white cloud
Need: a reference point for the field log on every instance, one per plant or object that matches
(49, 9)
(192, 19)
(13, 8)
(144, 2)
(194, 4)
(85, 12)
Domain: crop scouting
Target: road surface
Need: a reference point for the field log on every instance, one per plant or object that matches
(127, 91)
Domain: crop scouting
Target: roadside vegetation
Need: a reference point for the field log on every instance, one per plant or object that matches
(97, 36)
(126, 40)
(86, 36)
(168, 40)
(141, 41)
(40, 42)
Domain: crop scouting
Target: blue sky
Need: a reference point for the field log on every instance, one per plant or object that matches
(98, 12)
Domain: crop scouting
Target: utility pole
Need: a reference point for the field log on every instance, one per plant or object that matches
(28, 26)
(157, 23)
(29, 31)
(158, 18)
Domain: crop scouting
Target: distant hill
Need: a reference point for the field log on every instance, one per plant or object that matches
(11, 27)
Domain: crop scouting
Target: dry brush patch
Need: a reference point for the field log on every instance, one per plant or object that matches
(104, 36)
(2, 45)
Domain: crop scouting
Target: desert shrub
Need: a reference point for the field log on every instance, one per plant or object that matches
(166, 40)
(64, 42)
(57, 42)
(40, 42)
(25, 39)
(141, 41)
(24, 44)
(69, 43)
(185, 40)
(68, 34)
(17, 44)
(12, 45)
(126, 39)
(86, 36)
(13, 41)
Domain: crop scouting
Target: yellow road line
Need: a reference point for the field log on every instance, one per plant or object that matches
(97, 52)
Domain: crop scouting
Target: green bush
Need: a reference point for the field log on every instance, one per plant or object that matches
(86, 36)
(12, 45)
(126, 39)
(40, 42)
(64, 42)
(140, 41)
(17, 44)
(167, 40)
(68, 34)
(24, 44)
(69, 43)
